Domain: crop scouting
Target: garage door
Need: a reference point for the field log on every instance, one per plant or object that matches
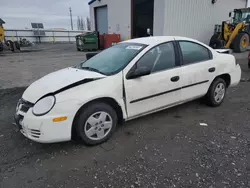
(101, 14)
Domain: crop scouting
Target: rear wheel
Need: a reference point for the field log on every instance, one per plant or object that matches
(1, 46)
(215, 42)
(216, 92)
(96, 123)
(241, 42)
(11, 45)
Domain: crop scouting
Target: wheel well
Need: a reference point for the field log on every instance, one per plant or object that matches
(245, 32)
(225, 77)
(110, 101)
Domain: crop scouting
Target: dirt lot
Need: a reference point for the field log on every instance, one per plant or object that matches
(166, 149)
(21, 69)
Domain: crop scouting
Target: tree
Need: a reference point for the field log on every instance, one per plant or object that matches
(80, 23)
(88, 24)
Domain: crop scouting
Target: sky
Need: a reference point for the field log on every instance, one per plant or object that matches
(18, 14)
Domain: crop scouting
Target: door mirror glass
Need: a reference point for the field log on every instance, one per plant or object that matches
(141, 71)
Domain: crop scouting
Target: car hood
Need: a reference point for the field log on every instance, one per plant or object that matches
(56, 81)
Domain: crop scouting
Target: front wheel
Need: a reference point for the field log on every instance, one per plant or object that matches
(241, 42)
(216, 92)
(96, 123)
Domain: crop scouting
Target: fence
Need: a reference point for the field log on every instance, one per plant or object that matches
(52, 36)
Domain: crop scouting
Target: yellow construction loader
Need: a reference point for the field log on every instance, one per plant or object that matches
(233, 33)
(6, 44)
(21, 45)
(1, 34)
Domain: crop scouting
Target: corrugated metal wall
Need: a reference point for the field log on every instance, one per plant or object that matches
(119, 16)
(196, 18)
(159, 13)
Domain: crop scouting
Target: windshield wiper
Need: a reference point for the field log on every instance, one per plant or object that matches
(92, 69)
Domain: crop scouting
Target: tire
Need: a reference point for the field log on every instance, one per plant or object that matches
(215, 42)
(249, 64)
(92, 115)
(1, 46)
(211, 99)
(238, 42)
(11, 45)
(17, 45)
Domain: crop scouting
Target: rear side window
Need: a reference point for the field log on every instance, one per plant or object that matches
(193, 52)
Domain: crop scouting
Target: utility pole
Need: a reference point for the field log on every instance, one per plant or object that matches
(70, 13)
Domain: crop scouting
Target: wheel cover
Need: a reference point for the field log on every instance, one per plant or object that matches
(98, 125)
(244, 42)
(219, 92)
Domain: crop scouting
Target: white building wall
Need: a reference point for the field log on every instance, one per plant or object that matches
(196, 18)
(119, 16)
(159, 16)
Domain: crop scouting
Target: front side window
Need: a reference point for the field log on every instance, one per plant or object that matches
(113, 59)
(159, 58)
(240, 16)
(193, 52)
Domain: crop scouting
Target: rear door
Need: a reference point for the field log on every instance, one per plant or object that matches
(198, 69)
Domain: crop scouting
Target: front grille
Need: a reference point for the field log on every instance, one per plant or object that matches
(24, 105)
(24, 108)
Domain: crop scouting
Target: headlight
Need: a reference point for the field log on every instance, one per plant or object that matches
(44, 105)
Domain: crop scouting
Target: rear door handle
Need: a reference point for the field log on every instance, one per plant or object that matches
(175, 79)
(211, 69)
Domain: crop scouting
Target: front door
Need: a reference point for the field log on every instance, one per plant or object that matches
(159, 89)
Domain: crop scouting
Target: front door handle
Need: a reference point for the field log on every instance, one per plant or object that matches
(211, 69)
(175, 79)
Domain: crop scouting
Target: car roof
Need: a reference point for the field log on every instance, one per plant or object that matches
(157, 40)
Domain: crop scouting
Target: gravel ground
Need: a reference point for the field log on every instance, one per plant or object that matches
(21, 69)
(165, 149)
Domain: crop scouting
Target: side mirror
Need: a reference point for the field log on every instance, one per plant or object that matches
(231, 14)
(141, 71)
(90, 55)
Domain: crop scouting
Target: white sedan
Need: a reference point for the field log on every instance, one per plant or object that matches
(129, 80)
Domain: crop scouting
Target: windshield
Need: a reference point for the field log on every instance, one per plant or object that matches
(240, 16)
(113, 59)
